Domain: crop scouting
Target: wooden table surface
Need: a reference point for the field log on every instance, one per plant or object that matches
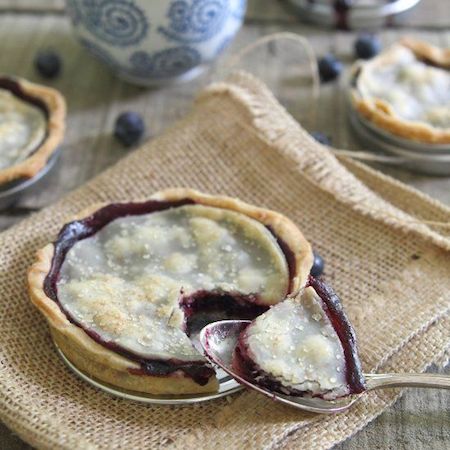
(421, 418)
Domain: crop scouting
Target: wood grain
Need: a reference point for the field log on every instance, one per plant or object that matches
(95, 98)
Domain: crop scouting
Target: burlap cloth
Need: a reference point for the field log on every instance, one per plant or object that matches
(392, 271)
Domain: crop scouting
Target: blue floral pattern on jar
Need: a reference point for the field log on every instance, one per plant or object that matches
(117, 22)
(169, 63)
(195, 20)
(152, 42)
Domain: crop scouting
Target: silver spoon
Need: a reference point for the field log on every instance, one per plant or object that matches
(218, 340)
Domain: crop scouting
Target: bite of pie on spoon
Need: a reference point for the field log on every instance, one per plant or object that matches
(303, 346)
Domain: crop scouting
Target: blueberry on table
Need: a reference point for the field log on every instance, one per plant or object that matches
(318, 265)
(321, 137)
(329, 68)
(129, 128)
(48, 63)
(367, 46)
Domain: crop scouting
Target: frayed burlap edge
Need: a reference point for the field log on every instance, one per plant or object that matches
(274, 125)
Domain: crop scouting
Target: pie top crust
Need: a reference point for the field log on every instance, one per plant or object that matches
(406, 91)
(440, 57)
(295, 343)
(124, 290)
(302, 346)
(32, 121)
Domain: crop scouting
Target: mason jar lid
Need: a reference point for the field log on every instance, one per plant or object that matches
(424, 161)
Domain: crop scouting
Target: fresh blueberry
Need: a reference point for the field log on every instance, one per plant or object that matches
(321, 137)
(367, 46)
(48, 63)
(129, 128)
(318, 265)
(329, 68)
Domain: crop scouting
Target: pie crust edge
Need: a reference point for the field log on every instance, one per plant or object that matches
(56, 111)
(108, 366)
(382, 114)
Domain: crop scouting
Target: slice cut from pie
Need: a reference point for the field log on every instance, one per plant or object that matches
(32, 119)
(406, 91)
(124, 286)
(303, 346)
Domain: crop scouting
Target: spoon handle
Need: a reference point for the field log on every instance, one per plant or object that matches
(422, 380)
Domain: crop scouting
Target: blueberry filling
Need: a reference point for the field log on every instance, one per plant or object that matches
(16, 89)
(201, 307)
(338, 318)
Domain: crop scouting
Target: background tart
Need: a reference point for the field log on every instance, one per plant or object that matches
(406, 91)
(32, 121)
(303, 346)
(123, 287)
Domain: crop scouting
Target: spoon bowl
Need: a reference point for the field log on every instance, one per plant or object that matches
(219, 339)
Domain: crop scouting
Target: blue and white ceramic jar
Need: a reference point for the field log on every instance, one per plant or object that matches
(152, 42)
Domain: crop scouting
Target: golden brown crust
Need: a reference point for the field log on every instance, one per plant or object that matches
(381, 112)
(382, 115)
(106, 365)
(56, 109)
(423, 50)
(95, 368)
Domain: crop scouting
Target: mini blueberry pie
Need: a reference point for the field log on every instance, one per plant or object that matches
(406, 91)
(31, 127)
(303, 346)
(124, 287)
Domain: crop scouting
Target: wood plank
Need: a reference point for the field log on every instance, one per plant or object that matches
(418, 421)
(34, 6)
